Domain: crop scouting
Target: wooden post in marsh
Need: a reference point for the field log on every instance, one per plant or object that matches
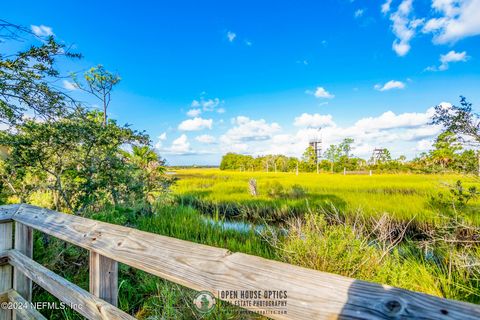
(5, 269)
(252, 186)
(104, 278)
(23, 244)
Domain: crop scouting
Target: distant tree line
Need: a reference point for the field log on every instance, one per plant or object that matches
(449, 154)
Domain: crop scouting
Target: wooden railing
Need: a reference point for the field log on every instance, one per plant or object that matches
(310, 294)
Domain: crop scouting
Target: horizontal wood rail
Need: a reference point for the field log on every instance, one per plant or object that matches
(27, 312)
(311, 294)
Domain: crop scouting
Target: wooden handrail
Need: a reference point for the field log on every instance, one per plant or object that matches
(27, 312)
(80, 300)
(311, 294)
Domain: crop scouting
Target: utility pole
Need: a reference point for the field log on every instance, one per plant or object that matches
(478, 160)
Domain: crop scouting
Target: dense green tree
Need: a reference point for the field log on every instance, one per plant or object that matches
(76, 157)
(26, 83)
(460, 120)
(309, 159)
(445, 149)
(333, 154)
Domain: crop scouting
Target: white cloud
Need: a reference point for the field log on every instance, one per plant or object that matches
(457, 19)
(320, 92)
(195, 124)
(392, 84)
(194, 112)
(161, 138)
(390, 120)
(399, 132)
(424, 145)
(452, 56)
(358, 13)
(386, 6)
(446, 59)
(448, 22)
(42, 30)
(313, 120)
(246, 129)
(205, 138)
(69, 85)
(231, 36)
(248, 43)
(221, 110)
(180, 145)
(403, 27)
(206, 104)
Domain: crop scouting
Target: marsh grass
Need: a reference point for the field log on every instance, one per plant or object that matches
(141, 294)
(383, 229)
(402, 196)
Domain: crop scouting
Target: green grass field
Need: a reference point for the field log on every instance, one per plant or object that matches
(402, 196)
(441, 257)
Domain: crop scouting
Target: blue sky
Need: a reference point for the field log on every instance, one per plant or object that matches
(255, 77)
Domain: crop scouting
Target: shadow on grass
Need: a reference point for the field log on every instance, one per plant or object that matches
(259, 210)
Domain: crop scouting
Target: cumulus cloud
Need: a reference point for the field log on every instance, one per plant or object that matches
(194, 112)
(404, 27)
(162, 137)
(42, 30)
(195, 124)
(386, 6)
(205, 138)
(424, 145)
(455, 20)
(452, 56)
(399, 132)
(392, 84)
(246, 129)
(231, 36)
(69, 85)
(321, 92)
(390, 120)
(313, 120)
(180, 145)
(448, 22)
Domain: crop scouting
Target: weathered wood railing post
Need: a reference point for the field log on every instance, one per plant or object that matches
(6, 270)
(24, 244)
(104, 278)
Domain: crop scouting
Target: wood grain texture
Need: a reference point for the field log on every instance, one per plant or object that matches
(23, 244)
(6, 271)
(104, 278)
(7, 211)
(311, 294)
(80, 300)
(27, 312)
